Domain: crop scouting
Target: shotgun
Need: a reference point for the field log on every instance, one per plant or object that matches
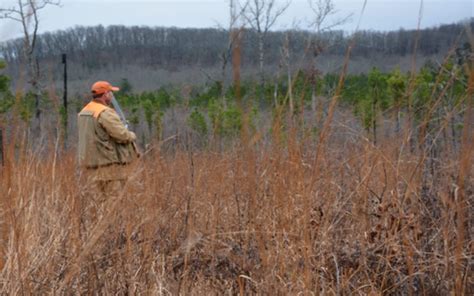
(124, 120)
(119, 111)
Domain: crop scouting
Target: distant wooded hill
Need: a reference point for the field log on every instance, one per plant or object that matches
(100, 51)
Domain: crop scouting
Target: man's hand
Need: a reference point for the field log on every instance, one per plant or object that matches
(133, 136)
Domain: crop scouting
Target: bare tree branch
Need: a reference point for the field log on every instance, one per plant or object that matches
(272, 18)
(25, 12)
(322, 10)
(261, 15)
(30, 6)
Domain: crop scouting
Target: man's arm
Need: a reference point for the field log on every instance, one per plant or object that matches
(116, 129)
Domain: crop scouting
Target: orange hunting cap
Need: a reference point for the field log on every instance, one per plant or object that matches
(101, 87)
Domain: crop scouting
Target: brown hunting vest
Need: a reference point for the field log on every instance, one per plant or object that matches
(103, 139)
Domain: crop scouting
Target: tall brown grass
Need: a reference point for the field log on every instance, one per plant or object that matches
(245, 221)
(297, 214)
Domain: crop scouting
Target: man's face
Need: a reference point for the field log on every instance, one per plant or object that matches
(108, 97)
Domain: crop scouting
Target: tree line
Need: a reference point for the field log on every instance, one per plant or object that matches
(248, 40)
(99, 46)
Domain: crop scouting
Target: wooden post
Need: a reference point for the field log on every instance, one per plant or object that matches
(64, 61)
(3, 227)
(2, 150)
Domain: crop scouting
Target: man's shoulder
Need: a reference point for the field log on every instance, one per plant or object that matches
(108, 114)
(95, 109)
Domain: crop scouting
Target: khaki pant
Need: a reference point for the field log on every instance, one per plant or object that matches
(97, 200)
(104, 191)
(100, 188)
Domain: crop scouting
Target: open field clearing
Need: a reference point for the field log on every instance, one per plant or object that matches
(287, 217)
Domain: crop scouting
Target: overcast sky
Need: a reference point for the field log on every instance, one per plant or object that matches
(381, 15)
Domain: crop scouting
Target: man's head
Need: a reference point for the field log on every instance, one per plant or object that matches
(102, 91)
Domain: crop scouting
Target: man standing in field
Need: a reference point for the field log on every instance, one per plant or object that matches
(106, 150)
(106, 147)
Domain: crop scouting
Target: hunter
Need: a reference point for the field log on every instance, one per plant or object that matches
(106, 147)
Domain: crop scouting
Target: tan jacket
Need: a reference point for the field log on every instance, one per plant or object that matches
(104, 141)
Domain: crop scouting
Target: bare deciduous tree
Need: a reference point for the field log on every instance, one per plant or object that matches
(322, 11)
(25, 12)
(261, 15)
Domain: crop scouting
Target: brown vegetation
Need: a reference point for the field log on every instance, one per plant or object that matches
(303, 210)
(259, 218)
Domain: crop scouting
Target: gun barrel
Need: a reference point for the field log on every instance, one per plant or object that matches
(119, 111)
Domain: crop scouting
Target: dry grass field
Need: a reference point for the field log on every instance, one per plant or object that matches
(333, 216)
(292, 213)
